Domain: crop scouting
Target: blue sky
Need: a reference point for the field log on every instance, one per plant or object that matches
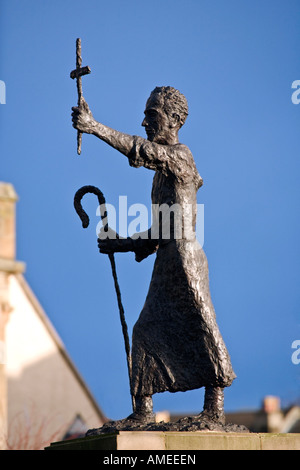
(235, 62)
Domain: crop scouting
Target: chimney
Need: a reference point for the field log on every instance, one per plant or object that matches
(273, 413)
(8, 198)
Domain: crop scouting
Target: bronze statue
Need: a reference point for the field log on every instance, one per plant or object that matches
(176, 343)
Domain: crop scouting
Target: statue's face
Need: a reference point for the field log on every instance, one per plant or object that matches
(156, 122)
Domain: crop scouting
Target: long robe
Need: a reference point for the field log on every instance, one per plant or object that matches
(176, 343)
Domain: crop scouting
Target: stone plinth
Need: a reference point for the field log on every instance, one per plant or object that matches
(170, 441)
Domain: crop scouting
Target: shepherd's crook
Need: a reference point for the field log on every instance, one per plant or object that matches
(85, 222)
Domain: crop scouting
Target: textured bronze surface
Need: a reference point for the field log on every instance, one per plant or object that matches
(78, 73)
(176, 342)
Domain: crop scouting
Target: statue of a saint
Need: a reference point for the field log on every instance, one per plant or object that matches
(176, 343)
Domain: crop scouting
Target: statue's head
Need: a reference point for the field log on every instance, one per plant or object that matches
(166, 112)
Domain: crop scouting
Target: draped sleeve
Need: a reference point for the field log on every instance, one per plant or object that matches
(170, 160)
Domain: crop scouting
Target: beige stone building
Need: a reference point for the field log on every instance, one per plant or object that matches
(43, 398)
(270, 418)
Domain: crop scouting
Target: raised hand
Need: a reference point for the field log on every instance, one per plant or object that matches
(82, 118)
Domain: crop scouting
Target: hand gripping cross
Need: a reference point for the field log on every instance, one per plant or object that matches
(78, 73)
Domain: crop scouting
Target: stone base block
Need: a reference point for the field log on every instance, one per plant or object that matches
(170, 441)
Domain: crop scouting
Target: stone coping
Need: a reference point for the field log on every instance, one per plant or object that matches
(11, 266)
(170, 441)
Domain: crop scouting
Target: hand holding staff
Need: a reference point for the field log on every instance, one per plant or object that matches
(78, 73)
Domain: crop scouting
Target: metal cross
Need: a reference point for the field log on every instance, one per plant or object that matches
(78, 73)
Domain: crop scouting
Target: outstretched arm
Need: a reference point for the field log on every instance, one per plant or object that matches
(167, 159)
(84, 121)
(142, 244)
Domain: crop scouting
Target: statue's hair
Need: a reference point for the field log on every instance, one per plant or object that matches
(173, 101)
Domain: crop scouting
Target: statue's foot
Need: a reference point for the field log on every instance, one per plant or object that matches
(143, 410)
(213, 410)
(134, 422)
(216, 417)
(141, 418)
